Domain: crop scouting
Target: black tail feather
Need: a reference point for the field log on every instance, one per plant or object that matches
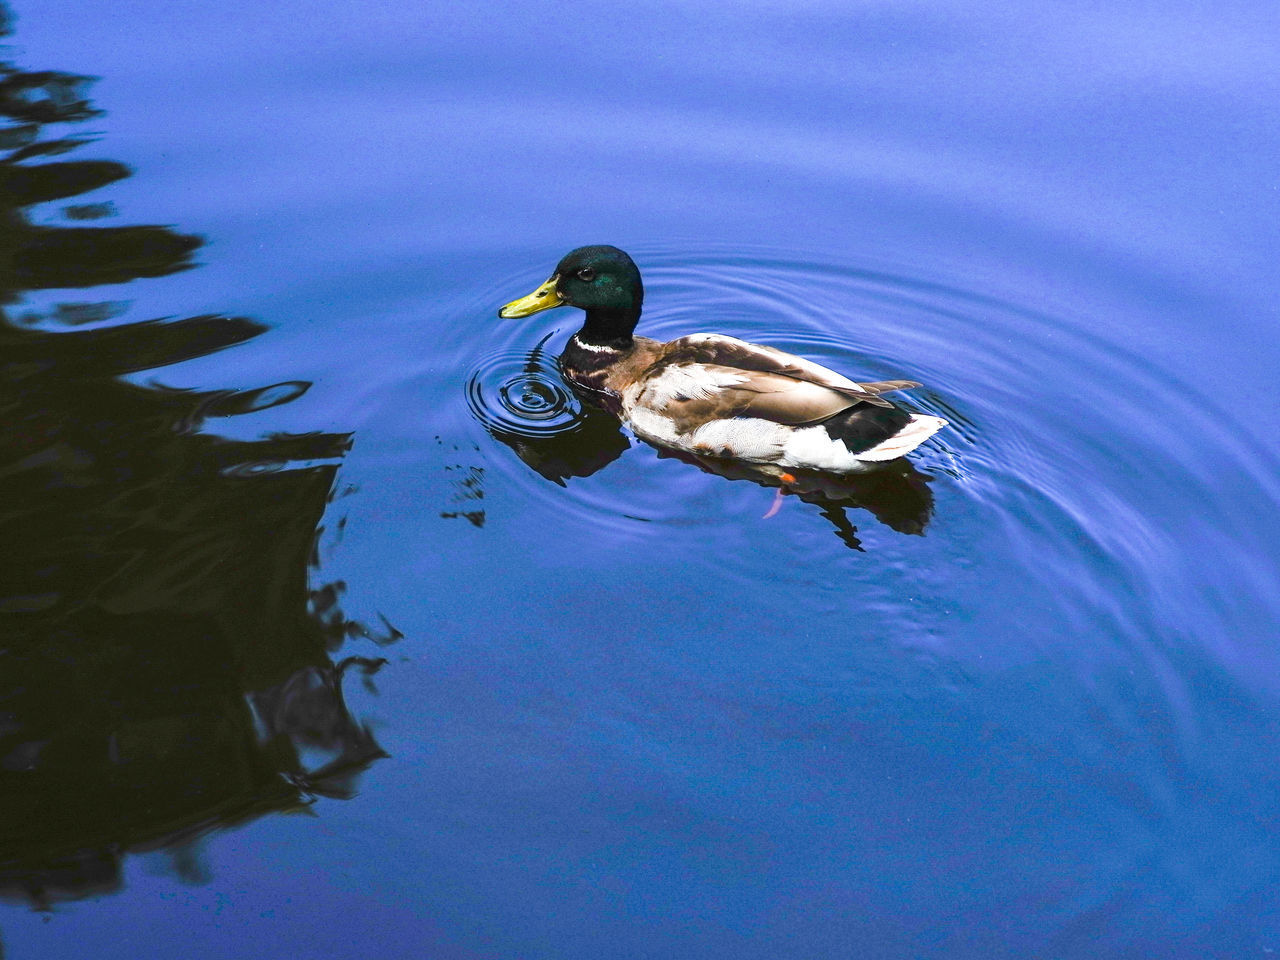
(863, 426)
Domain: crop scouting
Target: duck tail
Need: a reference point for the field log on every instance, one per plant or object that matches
(916, 431)
(888, 386)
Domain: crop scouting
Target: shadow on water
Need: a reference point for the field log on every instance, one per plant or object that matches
(592, 438)
(164, 667)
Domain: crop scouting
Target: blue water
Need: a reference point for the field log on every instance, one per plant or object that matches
(334, 625)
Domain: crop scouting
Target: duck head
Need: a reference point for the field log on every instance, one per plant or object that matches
(601, 280)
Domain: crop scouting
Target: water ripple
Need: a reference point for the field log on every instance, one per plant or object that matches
(1087, 459)
(521, 393)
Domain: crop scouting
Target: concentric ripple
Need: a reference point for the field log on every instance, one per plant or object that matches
(521, 393)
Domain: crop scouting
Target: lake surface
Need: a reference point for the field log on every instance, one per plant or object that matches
(336, 626)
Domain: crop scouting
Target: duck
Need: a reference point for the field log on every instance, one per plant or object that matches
(712, 395)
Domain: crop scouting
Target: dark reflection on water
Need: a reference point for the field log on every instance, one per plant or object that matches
(164, 667)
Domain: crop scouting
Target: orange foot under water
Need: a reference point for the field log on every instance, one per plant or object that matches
(782, 491)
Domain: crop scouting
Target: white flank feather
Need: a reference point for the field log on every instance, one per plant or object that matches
(812, 448)
(743, 438)
(655, 427)
(693, 380)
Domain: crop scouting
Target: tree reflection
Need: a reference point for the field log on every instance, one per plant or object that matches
(164, 668)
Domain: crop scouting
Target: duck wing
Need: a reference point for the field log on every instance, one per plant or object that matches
(734, 354)
(692, 394)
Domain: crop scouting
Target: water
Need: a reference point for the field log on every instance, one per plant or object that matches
(336, 626)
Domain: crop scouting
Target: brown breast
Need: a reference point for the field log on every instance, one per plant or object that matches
(607, 371)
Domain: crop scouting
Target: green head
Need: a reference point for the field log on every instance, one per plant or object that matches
(602, 280)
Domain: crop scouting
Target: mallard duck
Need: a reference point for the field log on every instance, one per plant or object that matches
(712, 395)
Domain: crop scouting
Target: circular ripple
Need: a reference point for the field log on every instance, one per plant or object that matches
(522, 394)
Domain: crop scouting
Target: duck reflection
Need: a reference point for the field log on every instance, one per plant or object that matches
(595, 441)
(592, 440)
(897, 495)
(164, 667)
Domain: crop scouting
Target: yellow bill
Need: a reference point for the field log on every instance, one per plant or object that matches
(544, 298)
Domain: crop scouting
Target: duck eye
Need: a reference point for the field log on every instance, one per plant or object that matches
(586, 274)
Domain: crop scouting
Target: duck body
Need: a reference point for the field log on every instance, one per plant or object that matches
(717, 396)
(711, 395)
